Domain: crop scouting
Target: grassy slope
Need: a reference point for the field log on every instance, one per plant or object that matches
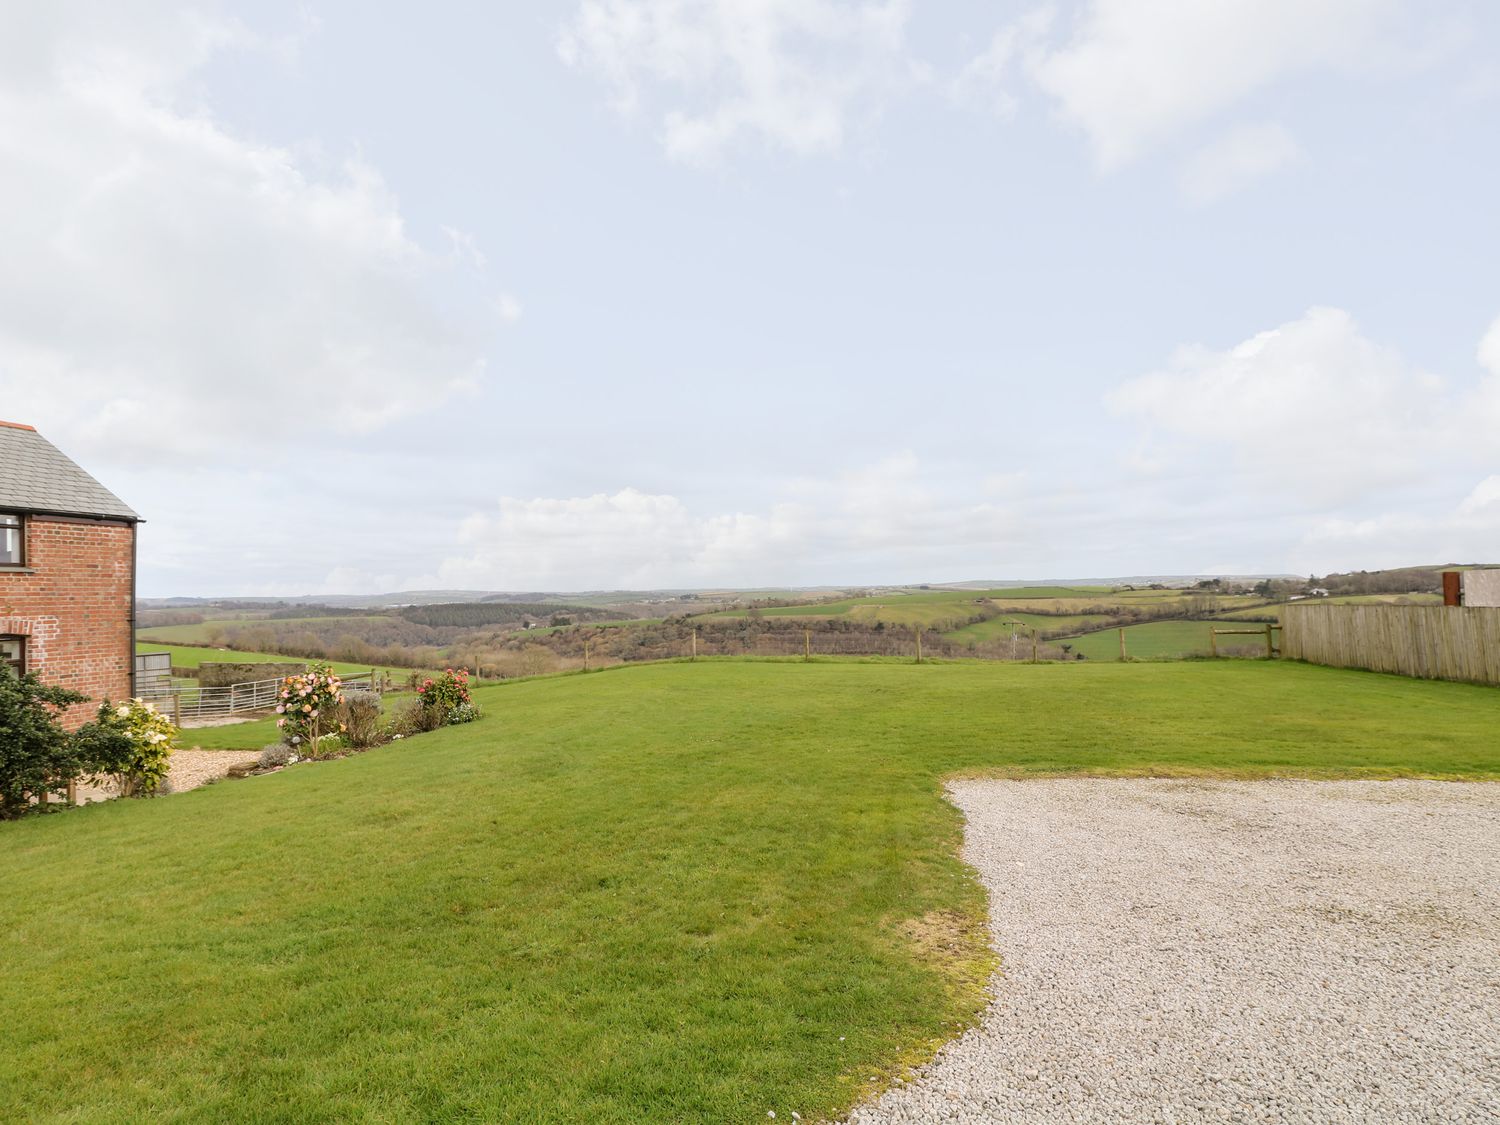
(199, 634)
(668, 892)
(187, 656)
(1157, 638)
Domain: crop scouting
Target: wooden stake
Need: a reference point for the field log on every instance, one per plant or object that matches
(806, 644)
(695, 644)
(1122, 644)
(919, 644)
(585, 656)
(1213, 641)
(1033, 645)
(1270, 652)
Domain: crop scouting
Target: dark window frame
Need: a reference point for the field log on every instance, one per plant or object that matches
(18, 665)
(19, 524)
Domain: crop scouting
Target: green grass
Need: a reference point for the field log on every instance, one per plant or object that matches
(672, 892)
(1157, 639)
(252, 735)
(200, 633)
(186, 656)
(999, 628)
(257, 733)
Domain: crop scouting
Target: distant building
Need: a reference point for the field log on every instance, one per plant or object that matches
(67, 572)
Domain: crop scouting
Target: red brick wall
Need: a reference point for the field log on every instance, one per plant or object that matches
(74, 609)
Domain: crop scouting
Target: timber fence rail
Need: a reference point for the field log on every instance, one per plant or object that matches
(1429, 642)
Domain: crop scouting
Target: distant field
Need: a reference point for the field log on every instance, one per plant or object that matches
(191, 657)
(949, 610)
(1153, 639)
(200, 634)
(999, 628)
(545, 630)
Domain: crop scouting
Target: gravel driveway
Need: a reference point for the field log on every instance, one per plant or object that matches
(1179, 951)
(189, 769)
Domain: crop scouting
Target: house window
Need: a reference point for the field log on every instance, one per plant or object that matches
(12, 540)
(13, 654)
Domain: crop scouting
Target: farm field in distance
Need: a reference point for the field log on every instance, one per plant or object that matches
(1157, 639)
(703, 891)
(517, 635)
(206, 632)
(190, 656)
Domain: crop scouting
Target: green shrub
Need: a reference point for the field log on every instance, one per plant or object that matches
(465, 713)
(37, 757)
(359, 720)
(416, 718)
(447, 698)
(132, 742)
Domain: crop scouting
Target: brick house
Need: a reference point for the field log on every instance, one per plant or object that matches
(67, 573)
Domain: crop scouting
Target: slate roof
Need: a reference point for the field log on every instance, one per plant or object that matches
(35, 476)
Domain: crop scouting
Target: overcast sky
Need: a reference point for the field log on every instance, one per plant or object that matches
(347, 297)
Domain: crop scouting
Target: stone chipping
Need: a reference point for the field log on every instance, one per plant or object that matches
(1210, 951)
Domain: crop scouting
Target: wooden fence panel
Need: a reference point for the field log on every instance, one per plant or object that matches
(1430, 642)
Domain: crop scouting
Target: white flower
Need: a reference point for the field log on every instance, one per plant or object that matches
(123, 711)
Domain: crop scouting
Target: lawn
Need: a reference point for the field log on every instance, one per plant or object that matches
(190, 656)
(677, 892)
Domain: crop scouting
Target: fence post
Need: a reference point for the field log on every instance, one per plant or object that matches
(1122, 644)
(1269, 652)
(1033, 645)
(695, 643)
(919, 644)
(585, 656)
(1213, 641)
(806, 644)
(177, 708)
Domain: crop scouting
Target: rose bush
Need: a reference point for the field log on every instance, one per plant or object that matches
(446, 699)
(306, 704)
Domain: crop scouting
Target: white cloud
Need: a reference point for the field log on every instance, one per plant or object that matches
(1134, 72)
(792, 73)
(1346, 451)
(866, 524)
(985, 80)
(1464, 532)
(170, 286)
(1240, 157)
(1312, 404)
(1483, 501)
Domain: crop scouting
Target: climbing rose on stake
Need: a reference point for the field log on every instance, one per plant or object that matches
(306, 705)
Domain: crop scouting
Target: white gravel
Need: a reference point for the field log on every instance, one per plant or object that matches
(1179, 951)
